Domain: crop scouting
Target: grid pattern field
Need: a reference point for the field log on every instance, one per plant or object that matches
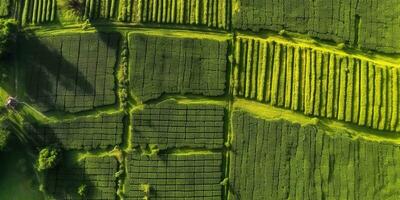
(173, 177)
(366, 24)
(317, 82)
(173, 65)
(171, 125)
(88, 133)
(69, 73)
(4, 8)
(276, 159)
(96, 173)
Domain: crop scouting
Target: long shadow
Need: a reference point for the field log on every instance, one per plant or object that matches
(63, 181)
(49, 69)
(44, 70)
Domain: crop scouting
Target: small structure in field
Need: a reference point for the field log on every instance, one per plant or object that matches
(11, 102)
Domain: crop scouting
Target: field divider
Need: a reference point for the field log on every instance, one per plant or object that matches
(331, 126)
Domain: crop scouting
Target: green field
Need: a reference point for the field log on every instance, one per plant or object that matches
(199, 99)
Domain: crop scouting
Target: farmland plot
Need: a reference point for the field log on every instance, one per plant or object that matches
(360, 23)
(205, 99)
(69, 73)
(170, 125)
(88, 132)
(96, 173)
(175, 65)
(277, 159)
(175, 176)
(318, 82)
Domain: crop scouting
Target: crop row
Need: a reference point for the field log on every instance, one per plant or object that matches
(38, 11)
(94, 172)
(318, 82)
(172, 125)
(175, 176)
(87, 133)
(276, 159)
(211, 13)
(100, 9)
(69, 72)
(171, 65)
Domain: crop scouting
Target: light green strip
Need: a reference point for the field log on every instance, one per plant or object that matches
(300, 41)
(332, 127)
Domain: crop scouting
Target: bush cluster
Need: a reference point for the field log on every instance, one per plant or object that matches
(48, 158)
(123, 77)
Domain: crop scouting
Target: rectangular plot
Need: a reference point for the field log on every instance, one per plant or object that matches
(96, 173)
(69, 73)
(359, 23)
(306, 162)
(320, 83)
(172, 125)
(87, 133)
(174, 65)
(175, 176)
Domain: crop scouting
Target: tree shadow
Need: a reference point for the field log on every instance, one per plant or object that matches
(55, 70)
(63, 181)
(44, 70)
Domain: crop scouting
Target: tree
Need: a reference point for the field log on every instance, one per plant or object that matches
(82, 190)
(49, 157)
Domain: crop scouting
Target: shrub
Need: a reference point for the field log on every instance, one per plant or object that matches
(75, 6)
(82, 190)
(48, 158)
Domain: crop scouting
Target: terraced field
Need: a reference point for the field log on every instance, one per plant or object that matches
(205, 99)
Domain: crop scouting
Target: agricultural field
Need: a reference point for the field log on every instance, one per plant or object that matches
(199, 99)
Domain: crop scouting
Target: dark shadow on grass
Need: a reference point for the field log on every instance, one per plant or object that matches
(63, 181)
(49, 66)
(45, 70)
